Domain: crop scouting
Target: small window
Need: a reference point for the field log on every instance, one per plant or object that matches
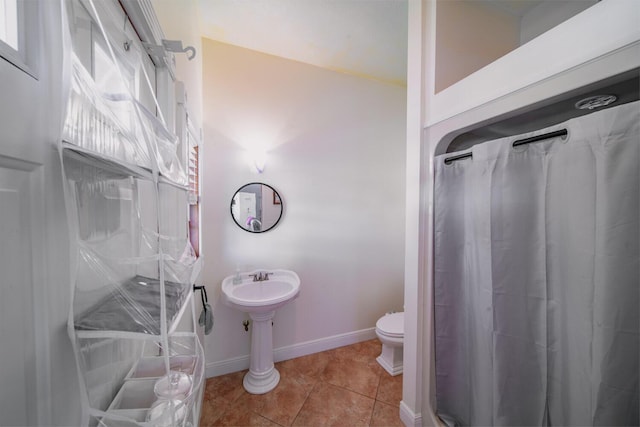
(9, 21)
(16, 44)
(194, 190)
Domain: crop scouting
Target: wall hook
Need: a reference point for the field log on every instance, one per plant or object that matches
(245, 323)
(176, 47)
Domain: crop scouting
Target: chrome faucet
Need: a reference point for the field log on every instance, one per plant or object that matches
(261, 277)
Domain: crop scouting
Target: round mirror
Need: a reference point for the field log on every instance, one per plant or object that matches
(256, 207)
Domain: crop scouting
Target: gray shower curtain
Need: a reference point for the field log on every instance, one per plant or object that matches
(537, 278)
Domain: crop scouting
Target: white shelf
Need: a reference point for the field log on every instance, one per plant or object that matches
(153, 367)
(136, 395)
(164, 180)
(120, 304)
(90, 324)
(110, 167)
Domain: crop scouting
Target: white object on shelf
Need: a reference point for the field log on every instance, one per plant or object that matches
(167, 413)
(174, 385)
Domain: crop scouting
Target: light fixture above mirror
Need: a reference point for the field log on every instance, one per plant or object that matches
(257, 160)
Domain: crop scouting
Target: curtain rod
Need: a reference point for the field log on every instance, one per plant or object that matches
(561, 132)
(450, 160)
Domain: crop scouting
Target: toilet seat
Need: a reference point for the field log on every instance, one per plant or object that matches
(391, 325)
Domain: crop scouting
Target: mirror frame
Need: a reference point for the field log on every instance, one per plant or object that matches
(275, 192)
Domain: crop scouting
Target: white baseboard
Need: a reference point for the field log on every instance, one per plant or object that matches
(408, 417)
(236, 364)
(223, 367)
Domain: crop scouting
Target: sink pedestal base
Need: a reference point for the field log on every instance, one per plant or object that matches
(262, 376)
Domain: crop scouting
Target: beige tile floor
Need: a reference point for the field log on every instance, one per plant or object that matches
(340, 387)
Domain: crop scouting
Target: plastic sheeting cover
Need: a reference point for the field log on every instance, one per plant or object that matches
(126, 195)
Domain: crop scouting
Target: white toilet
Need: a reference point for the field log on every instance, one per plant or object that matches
(390, 331)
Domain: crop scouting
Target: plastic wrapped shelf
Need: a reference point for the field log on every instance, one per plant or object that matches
(134, 307)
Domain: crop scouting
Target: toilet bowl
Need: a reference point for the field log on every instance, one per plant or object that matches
(390, 331)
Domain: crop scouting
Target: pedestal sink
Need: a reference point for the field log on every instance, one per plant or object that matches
(260, 293)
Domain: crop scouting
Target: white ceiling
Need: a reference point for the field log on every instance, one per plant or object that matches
(367, 38)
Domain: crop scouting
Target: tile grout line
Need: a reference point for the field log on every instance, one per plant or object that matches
(349, 390)
(376, 398)
(305, 401)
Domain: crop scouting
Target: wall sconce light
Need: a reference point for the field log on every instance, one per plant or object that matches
(258, 160)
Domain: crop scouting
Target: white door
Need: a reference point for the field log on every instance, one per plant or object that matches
(28, 118)
(247, 207)
(20, 187)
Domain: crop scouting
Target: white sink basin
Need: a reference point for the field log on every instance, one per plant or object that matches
(261, 296)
